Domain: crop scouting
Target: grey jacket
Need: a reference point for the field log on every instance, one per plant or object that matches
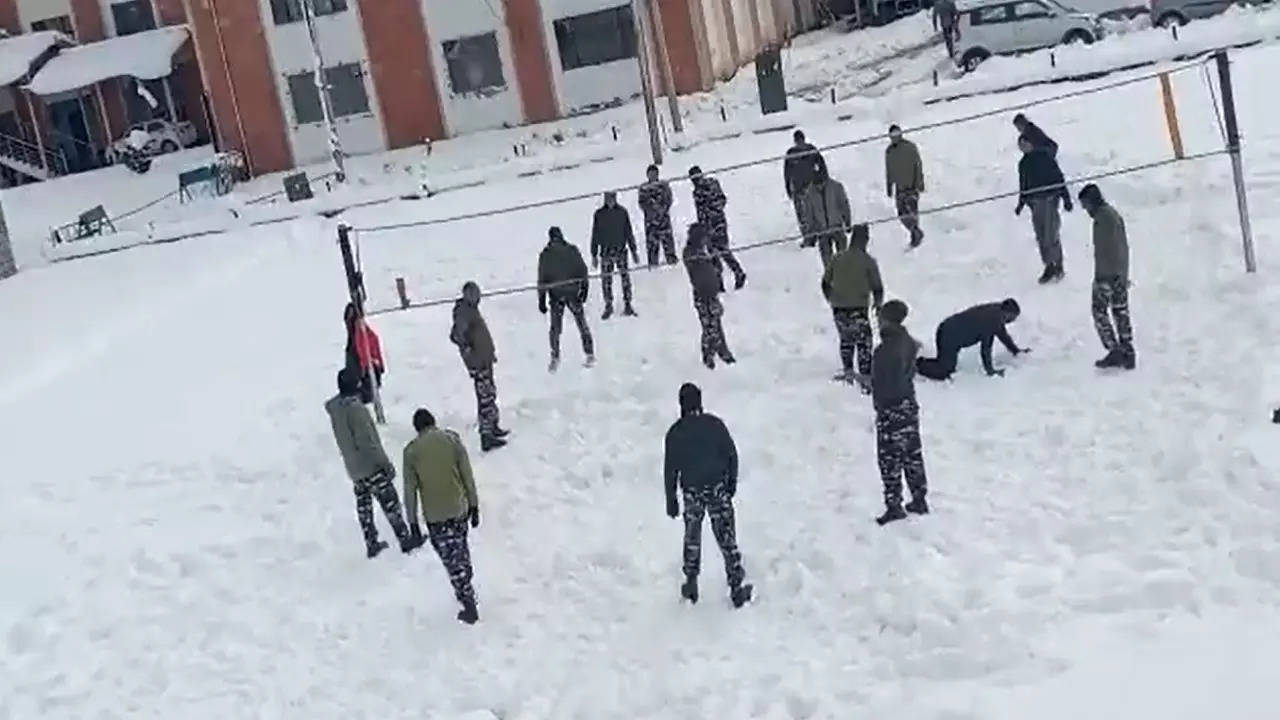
(357, 438)
(893, 367)
(1110, 245)
(826, 207)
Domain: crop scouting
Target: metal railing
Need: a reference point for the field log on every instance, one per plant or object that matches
(29, 154)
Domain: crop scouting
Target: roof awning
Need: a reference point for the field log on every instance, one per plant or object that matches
(17, 53)
(146, 55)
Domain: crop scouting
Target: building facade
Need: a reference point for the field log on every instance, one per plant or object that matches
(399, 72)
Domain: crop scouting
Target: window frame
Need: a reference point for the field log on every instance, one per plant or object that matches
(484, 42)
(150, 14)
(56, 23)
(1045, 10)
(287, 12)
(571, 38)
(976, 14)
(314, 102)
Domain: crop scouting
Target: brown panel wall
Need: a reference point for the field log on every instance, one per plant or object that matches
(170, 12)
(682, 44)
(9, 16)
(532, 61)
(86, 16)
(403, 76)
(117, 110)
(241, 87)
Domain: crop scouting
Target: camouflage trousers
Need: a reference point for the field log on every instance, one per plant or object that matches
(449, 539)
(710, 310)
(718, 243)
(716, 502)
(899, 451)
(609, 264)
(557, 325)
(853, 326)
(1111, 300)
(907, 203)
(378, 486)
(658, 236)
(486, 401)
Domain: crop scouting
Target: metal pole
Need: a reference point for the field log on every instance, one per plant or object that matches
(35, 125)
(646, 81)
(1237, 165)
(664, 64)
(355, 289)
(168, 99)
(322, 87)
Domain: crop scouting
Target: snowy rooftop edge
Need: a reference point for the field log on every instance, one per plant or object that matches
(146, 55)
(19, 51)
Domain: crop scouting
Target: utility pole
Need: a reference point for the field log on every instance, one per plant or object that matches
(646, 80)
(664, 63)
(1237, 165)
(322, 88)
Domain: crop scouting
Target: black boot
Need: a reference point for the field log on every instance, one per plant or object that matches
(727, 358)
(629, 311)
(918, 506)
(608, 312)
(1128, 359)
(1111, 360)
(890, 514)
(1046, 276)
(709, 361)
(1058, 273)
(689, 590)
(742, 280)
(741, 595)
(372, 551)
(468, 614)
(501, 433)
(489, 442)
(411, 543)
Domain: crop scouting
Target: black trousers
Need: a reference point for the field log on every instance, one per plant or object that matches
(941, 367)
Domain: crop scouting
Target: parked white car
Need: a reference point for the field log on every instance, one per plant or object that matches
(1001, 27)
(161, 136)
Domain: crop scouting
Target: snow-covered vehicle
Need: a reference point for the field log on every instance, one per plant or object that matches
(162, 136)
(1004, 27)
(1179, 12)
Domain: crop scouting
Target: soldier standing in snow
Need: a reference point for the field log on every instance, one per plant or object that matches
(708, 205)
(471, 334)
(898, 448)
(945, 14)
(1039, 139)
(702, 461)
(611, 237)
(655, 204)
(367, 464)
(904, 180)
(852, 284)
(1110, 280)
(1042, 186)
(798, 170)
(707, 284)
(980, 324)
(562, 275)
(364, 353)
(827, 214)
(437, 471)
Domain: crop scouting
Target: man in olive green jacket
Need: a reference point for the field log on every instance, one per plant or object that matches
(852, 285)
(438, 472)
(471, 334)
(1110, 281)
(904, 181)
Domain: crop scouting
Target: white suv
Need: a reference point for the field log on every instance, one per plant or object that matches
(999, 27)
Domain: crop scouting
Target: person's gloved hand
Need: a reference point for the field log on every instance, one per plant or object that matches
(474, 517)
(1018, 210)
(996, 373)
(542, 305)
(673, 508)
(595, 261)
(635, 257)
(1067, 204)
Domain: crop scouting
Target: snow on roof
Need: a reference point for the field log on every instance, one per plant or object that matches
(18, 52)
(146, 55)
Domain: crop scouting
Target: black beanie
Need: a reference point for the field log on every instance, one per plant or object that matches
(895, 311)
(690, 399)
(348, 382)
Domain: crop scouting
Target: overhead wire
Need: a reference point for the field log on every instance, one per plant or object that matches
(512, 290)
(774, 158)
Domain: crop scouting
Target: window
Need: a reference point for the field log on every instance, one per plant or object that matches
(596, 38)
(289, 11)
(990, 15)
(346, 92)
(133, 17)
(1030, 10)
(474, 63)
(61, 24)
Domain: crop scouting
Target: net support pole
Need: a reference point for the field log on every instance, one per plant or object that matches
(1171, 116)
(355, 290)
(1237, 164)
(646, 79)
(664, 63)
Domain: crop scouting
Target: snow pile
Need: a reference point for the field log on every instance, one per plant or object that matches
(19, 51)
(146, 55)
(1237, 26)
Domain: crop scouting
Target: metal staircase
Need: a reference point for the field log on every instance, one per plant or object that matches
(25, 157)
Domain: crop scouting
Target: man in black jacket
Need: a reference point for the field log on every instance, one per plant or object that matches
(799, 168)
(562, 275)
(702, 461)
(980, 324)
(611, 237)
(1039, 139)
(899, 451)
(1042, 186)
(706, 282)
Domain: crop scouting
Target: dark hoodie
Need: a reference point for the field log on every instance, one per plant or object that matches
(700, 452)
(893, 367)
(1039, 176)
(704, 272)
(471, 334)
(559, 266)
(800, 168)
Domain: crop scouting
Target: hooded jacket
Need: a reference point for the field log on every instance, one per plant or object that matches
(357, 438)
(893, 367)
(852, 279)
(1039, 139)
(704, 272)
(1040, 177)
(471, 334)
(611, 233)
(800, 168)
(560, 264)
(437, 472)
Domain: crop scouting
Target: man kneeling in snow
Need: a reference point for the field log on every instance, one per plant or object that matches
(980, 324)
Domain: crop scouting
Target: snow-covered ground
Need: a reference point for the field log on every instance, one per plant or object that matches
(179, 539)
